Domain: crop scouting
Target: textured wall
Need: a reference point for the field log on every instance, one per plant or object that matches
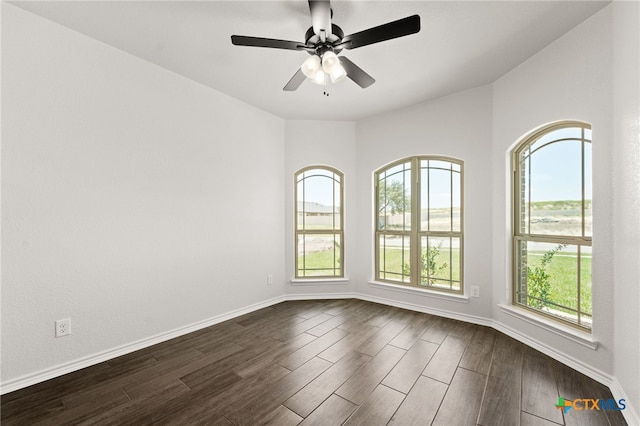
(626, 230)
(135, 201)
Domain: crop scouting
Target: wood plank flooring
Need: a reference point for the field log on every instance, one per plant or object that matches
(328, 362)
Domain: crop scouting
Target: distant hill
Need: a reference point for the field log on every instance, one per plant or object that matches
(560, 205)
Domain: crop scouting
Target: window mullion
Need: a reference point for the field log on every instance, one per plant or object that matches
(579, 275)
(582, 212)
(529, 191)
(415, 222)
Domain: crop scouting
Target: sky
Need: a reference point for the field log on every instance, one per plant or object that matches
(556, 172)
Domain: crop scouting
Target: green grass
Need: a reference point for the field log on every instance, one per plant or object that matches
(393, 263)
(320, 263)
(562, 270)
(564, 278)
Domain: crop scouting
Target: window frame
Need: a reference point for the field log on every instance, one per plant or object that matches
(519, 236)
(416, 233)
(302, 232)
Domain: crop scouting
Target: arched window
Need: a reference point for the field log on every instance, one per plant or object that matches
(319, 223)
(552, 223)
(418, 211)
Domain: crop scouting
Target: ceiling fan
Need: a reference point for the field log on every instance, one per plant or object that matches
(324, 40)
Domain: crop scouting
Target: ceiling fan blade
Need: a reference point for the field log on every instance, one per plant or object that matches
(388, 31)
(266, 42)
(320, 16)
(356, 73)
(295, 81)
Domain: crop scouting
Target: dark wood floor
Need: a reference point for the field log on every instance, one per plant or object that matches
(320, 363)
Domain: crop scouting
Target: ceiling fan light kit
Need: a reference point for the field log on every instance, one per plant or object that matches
(325, 40)
(316, 68)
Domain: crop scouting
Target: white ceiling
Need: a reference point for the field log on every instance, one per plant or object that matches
(462, 44)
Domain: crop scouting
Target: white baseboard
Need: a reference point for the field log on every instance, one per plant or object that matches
(565, 359)
(80, 363)
(320, 296)
(629, 413)
(424, 309)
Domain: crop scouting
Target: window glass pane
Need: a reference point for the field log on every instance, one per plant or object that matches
(394, 198)
(395, 258)
(440, 262)
(550, 274)
(300, 208)
(439, 200)
(585, 286)
(394, 170)
(554, 179)
(319, 255)
(556, 135)
(439, 164)
(424, 195)
(318, 193)
(440, 197)
(456, 210)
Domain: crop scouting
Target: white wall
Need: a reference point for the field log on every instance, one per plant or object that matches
(457, 126)
(135, 201)
(626, 195)
(570, 79)
(329, 143)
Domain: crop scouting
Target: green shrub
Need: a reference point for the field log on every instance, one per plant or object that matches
(429, 266)
(538, 284)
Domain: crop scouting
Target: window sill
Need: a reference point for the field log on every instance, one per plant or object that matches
(458, 298)
(315, 281)
(585, 339)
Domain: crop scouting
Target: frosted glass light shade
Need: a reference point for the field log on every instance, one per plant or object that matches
(332, 66)
(329, 61)
(337, 73)
(319, 78)
(311, 66)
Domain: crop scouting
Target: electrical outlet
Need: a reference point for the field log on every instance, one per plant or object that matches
(63, 327)
(269, 279)
(475, 291)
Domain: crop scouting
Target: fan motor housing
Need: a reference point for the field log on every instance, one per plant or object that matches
(311, 38)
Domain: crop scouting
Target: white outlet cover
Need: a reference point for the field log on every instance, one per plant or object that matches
(63, 327)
